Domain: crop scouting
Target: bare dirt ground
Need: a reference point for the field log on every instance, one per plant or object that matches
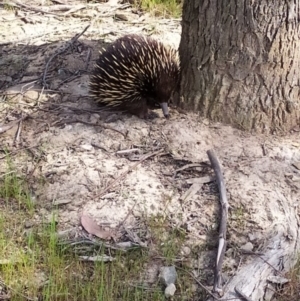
(69, 149)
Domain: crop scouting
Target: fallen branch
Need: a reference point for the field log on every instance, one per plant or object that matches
(67, 46)
(223, 223)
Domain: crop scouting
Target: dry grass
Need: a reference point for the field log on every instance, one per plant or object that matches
(291, 291)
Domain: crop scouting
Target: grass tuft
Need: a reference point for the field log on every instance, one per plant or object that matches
(14, 188)
(165, 8)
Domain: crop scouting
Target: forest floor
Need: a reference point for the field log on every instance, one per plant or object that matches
(128, 175)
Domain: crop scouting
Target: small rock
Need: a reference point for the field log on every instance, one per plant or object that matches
(29, 224)
(251, 237)
(168, 275)
(32, 95)
(144, 132)
(87, 147)
(170, 290)
(247, 247)
(185, 251)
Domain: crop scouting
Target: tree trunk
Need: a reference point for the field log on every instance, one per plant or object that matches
(241, 62)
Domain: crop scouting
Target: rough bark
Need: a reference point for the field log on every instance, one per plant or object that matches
(241, 62)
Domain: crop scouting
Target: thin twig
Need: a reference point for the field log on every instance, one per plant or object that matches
(128, 151)
(123, 175)
(8, 126)
(69, 79)
(202, 285)
(18, 133)
(69, 44)
(187, 166)
(270, 265)
(223, 223)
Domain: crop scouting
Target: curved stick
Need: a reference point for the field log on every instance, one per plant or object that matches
(223, 223)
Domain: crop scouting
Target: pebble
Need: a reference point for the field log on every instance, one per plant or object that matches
(32, 95)
(170, 290)
(168, 275)
(247, 247)
(185, 251)
(87, 147)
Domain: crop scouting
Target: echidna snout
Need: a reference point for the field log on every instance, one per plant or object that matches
(135, 73)
(165, 109)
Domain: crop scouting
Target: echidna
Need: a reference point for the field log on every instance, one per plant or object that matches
(135, 73)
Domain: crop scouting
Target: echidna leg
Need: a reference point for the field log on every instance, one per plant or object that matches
(140, 109)
(143, 112)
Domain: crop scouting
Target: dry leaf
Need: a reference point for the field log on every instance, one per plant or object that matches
(92, 228)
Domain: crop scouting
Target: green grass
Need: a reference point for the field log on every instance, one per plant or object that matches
(33, 263)
(165, 8)
(14, 187)
(66, 278)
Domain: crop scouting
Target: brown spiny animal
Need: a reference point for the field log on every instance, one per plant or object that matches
(135, 73)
